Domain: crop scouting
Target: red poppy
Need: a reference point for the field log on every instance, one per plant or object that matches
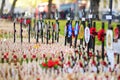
(93, 62)
(116, 33)
(110, 70)
(104, 63)
(38, 78)
(9, 17)
(17, 19)
(80, 53)
(53, 55)
(50, 63)
(68, 63)
(44, 55)
(85, 58)
(6, 53)
(56, 62)
(59, 58)
(54, 26)
(28, 21)
(33, 56)
(44, 64)
(5, 57)
(13, 51)
(90, 54)
(24, 56)
(93, 31)
(76, 51)
(81, 65)
(15, 56)
(101, 35)
(119, 77)
(106, 76)
(21, 20)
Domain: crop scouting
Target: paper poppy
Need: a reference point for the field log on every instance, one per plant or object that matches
(101, 35)
(28, 21)
(9, 17)
(21, 20)
(90, 54)
(68, 63)
(56, 62)
(15, 56)
(80, 64)
(24, 56)
(5, 56)
(38, 78)
(44, 55)
(33, 56)
(85, 58)
(59, 58)
(104, 63)
(76, 51)
(44, 64)
(116, 33)
(93, 31)
(50, 64)
(94, 63)
(6, 53)
(119, 77)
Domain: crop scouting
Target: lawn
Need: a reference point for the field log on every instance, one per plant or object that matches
(98, 27)
(62, 24)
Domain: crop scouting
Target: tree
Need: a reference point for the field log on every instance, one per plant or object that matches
(13, 7)
(2, 7)
(49, 8)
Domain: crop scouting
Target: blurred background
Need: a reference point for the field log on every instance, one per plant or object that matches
(60, 8)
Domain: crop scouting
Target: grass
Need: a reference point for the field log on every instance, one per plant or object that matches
(62, 24)
(98, 27)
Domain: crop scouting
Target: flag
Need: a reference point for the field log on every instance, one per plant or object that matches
(76, 29)
(69, 30)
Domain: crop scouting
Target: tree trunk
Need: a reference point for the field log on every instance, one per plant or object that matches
(13, 7)
(49, 8)
(95, 7)
(2, 7)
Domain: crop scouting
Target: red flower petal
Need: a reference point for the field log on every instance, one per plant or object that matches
(68, 63)
(15, 56)
(93, 31)
(44, 55)
(94, 63)
(50, 63)
(90, 54)
(33, 56)
(81, 65)
(56, 62)
(24, 56)
(5, 57)
(28, 21)
(101, 35)
(44, 64)
(116, 33)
